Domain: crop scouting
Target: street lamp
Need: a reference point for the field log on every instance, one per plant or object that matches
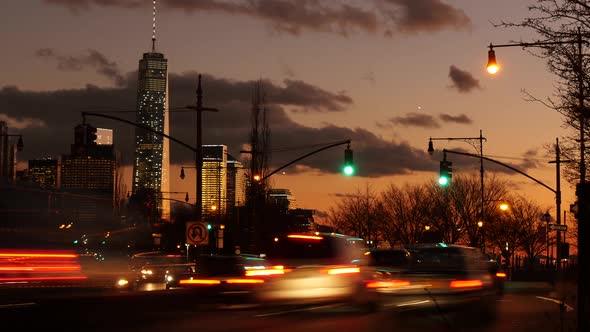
(582, 189)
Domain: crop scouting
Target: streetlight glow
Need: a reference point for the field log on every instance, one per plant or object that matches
(492, 64)
(503, 206)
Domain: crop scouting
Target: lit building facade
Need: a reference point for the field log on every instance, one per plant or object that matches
(236, 183)
(104, 136)
(152, 163)
(45, 172)
(90, 166)
(214, 179)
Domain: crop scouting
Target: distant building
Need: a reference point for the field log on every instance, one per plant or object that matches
(90, 166)
(283, 198)
(301, 220)
(45, 172)
(236, 183)
(8, 151)
(152, 156)
(104, 136)
(214, 179)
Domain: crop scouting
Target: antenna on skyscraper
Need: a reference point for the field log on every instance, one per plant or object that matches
(154, 29)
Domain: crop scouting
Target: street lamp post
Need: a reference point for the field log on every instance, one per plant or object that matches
(582, 189)
(199, 148)
(472, 141)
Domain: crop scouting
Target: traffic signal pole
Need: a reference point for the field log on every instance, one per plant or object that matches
(310, 154)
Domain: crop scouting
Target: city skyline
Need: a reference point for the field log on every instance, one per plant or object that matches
(386, 87)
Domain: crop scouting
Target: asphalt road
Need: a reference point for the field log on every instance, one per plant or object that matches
(182, 311)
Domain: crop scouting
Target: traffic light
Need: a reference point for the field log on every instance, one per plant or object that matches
(348, 162)
(91, 135)
(444, 178)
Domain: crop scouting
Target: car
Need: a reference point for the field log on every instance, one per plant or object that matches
(151, 268)
(315, 268)
(175, 273)
(437, 276)
(227, 278)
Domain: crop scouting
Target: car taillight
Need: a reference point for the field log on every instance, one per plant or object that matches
(500, 274)
(387, 283)
(264, 271)
(199, 282)
(244, 281)
(466, 283)
(343, 270)
(305, 237)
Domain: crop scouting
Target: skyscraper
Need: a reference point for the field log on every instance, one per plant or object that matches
(152, 163)
(214, 179)
(236, 184)
(7, 155)
(89, 167)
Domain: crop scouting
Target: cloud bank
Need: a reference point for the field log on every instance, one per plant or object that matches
(294, 17)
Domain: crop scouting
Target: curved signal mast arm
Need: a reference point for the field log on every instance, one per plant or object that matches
(305, 156)
(500, 163)
(100, 115)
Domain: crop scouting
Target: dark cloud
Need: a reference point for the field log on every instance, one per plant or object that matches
(296, 16)
(60, 110)
(462, 80)
(413, 16)
(91, 59)
(461, 118)
(416, 120)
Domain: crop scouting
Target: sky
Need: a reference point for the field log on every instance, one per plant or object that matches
(386, 74)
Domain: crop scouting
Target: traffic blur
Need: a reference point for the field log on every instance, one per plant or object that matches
(39, 268)
(434, 275)
(303, 269)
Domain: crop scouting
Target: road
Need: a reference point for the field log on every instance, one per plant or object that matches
(181, 311)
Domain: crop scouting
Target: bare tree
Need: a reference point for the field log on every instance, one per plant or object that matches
(405, 213)
(533, 231)
(357, 215)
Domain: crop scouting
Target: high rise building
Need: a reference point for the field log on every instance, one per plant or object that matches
(214, 179)
(283, 198)
(46, 172)
(236, 183)
(152, 163)
(89, 166)
(104, 136)
(8, 151)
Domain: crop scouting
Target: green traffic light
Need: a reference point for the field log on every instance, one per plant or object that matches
(348, 170)
(208, 226)
(443, 180)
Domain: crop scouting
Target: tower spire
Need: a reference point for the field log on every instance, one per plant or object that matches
(154, 29)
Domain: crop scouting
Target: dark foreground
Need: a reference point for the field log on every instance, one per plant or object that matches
(181, 310)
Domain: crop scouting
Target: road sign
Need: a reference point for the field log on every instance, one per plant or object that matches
(559, 228)
(197, 233)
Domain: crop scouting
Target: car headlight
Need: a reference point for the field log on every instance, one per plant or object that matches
(122, 282)
(148, 272)
(169, 278)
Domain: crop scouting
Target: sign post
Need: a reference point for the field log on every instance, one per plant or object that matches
(558, 227)
(197, 233)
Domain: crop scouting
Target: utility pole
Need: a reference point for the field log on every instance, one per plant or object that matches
(557, 163)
